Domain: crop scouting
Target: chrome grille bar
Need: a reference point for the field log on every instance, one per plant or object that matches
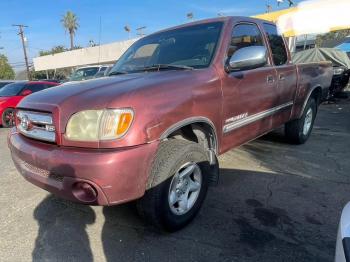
(36, 125)
(38, 118)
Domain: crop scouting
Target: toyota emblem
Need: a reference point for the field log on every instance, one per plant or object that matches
(25, 123)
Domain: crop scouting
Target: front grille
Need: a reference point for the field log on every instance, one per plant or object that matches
(36, 125)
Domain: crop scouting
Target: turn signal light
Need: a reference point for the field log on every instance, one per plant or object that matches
(124, 123)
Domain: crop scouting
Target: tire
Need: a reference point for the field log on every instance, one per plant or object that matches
(298, 131)
(159, 206)
(7, 117)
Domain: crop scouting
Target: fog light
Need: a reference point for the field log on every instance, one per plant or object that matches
(84, 192)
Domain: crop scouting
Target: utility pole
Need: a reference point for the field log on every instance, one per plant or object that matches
(21, 33)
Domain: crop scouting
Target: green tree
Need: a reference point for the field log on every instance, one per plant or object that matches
(331, 36)
(70, 23)
(54, 50)
(6, 71)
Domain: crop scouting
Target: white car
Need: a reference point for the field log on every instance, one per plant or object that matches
(89, 72)
(342, 252)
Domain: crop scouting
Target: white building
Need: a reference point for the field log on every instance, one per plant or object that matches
(103, 54)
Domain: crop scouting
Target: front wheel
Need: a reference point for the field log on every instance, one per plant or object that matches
(8, 117)
(180, 182)
(298, 131)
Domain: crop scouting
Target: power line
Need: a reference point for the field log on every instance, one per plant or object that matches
(13, 64)
(21, 33)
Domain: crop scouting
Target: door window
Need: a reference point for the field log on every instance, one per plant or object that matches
(278, 48)
(245, 35)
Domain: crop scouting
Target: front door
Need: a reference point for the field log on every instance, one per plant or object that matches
(249, 96)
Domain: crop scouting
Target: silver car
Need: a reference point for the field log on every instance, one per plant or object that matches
(342, 252)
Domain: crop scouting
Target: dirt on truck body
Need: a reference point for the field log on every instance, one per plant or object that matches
(174, 101)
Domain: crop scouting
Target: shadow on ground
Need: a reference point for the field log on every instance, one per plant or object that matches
(249, 216)
(62, 232)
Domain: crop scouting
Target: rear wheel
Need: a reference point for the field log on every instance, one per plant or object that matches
(8, 117)
(298, 131)
(180, 171)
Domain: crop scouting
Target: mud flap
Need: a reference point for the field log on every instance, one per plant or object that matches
(214, 168)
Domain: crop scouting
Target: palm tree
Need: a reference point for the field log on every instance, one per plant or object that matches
(70, 23)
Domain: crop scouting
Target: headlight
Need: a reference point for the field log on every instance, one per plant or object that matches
(338, 71)
(95, 125)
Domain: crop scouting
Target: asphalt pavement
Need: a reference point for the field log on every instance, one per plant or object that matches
(274, 202)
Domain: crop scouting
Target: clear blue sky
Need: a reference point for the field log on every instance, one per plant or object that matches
(45, 29)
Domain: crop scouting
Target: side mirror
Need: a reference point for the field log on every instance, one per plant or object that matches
(248, 58)
(26, 92)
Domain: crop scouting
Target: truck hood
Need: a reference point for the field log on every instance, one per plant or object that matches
(108, 92)
(94, 93)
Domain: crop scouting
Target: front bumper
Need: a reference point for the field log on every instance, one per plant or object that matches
(117, 176)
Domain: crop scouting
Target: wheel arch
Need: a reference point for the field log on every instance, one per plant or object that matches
(315, 92)
(199, 126)
(199, 130)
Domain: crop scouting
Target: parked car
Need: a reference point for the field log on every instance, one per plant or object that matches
(174, 101)
(342, 252)
(103, 73)
(12, 94)
(88, 72)
(5, 82)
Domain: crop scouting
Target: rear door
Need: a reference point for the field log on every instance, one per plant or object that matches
(286, 73)
(249, 96)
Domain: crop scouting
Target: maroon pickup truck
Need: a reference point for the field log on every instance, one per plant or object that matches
(174, 101)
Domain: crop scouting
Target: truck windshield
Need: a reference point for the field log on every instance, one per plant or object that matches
(183, 48)
(11, 89)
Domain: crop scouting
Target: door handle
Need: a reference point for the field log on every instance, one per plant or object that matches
(281, 77)
(270, 79)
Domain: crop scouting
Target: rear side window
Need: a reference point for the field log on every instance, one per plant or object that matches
(278, 48)
(245, 35)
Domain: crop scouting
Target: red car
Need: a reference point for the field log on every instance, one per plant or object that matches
(12, 94)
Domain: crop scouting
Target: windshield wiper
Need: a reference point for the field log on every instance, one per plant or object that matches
(118, 73)
(159, 67)
(155, 67)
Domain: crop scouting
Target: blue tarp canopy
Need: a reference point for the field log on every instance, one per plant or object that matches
(344, 47)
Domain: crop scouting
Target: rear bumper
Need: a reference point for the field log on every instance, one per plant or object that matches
(116, 176)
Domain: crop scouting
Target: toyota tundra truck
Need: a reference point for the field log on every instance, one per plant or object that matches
(152, 130)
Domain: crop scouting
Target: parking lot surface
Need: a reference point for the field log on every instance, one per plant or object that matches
(274, 202)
